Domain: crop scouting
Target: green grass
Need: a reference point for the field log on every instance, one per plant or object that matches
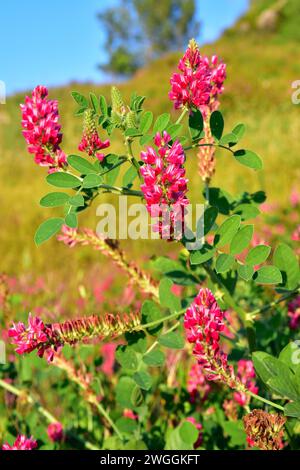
(258, 92)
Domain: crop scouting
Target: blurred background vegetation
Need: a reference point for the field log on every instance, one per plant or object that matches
(261, 51)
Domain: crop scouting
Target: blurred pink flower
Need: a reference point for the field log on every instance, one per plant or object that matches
(295, 197)
(108, 351)
(130, 414)
(246, 375)
(197, 385)
(55, 432)
(296, 234)
(100, 288)
(21, 443)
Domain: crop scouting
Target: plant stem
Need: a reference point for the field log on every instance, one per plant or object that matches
(208, 145)
(185, 110)
(108, 418)
(274, 303)
(132, 159)
(264, 400)
(128, 192)
(15, 391)
(157, 322)
(123, 160)
(50, 418)
(153, 345)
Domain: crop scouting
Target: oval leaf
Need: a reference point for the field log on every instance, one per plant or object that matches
(227, 230)
(241, 239)
(171, 340)
(143, 380)
(258, 255)
(268, 275)
(161, 122)
(249, 159)
(61, 179)
(47, 229)
(54, 199)
(92, 181)
(224, 263)
(245, 272)
(146, 122)
(81, 164)
(285, 260)
(195, 124)
(216, 123)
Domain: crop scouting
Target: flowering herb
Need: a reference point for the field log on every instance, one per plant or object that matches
(198, 331)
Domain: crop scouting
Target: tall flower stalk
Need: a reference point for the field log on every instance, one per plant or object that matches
(111, 249)
(49, 338)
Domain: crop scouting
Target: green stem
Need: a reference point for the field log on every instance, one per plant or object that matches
(274, 303)
(123, 160)
(157, 322)
(132, 159)
(108, 419)
(208, 145)
(185, 110)
(264, 400)
(50, 418)
(128, 192)
(153, 345)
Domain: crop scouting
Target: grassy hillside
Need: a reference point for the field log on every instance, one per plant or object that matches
(277, 19)
(261, 68)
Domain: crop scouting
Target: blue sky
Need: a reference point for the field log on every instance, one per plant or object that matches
(52, 42)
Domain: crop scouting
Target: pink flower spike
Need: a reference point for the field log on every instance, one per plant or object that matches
(200, 81)
(204, 322)
(41, 129)
(35, 336)
(165, 185)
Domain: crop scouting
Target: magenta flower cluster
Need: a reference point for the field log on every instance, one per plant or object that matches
(165, 184)
(21, 443)
(203, 322)
(92, 144)
(41, 129)
(199, 81)
(34, 336)
(246, 375)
